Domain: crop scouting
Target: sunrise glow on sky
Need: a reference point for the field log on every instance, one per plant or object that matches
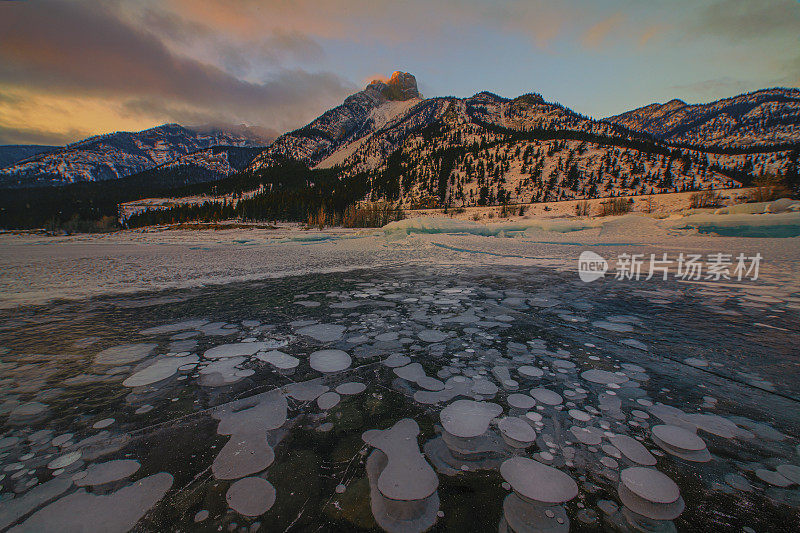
(69, 69)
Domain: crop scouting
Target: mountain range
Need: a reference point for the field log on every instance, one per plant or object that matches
(389, 142)
(121, 154)
(485, 149)
(766, 117)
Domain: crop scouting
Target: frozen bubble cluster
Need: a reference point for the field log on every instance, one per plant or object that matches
(538, 490)
(651, 499)
(402, 484)
(517, 401)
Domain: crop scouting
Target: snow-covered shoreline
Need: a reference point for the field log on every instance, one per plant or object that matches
(35, 269)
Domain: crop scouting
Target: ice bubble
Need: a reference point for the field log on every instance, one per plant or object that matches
(61, 439)
(351, 388)
(396, 360)
(340, 489)
(484, 387)
(143, 409)
(516, 432)
(738, 482)
(521, 515)
(64, 460)
(118, 511)
(546, 396)
(680, 442)
(790, 472)
(239, 349)
(7, 442)
(537, 482)
(590, 436)
(716, 425)
(328, 400)
(633, 450)
(278, 359)
(323, 332)
(124, 354)
(468, 418)
(678, 437)
(387, 337)
(401, 516)
(104, 423)
(173, 328)
(162, 369)
(603, 377)
(251, 496)
(410, 372)
(521, 401)
(613, 326)
(329, 360)
(650, 493)
(306, 391)
(13, 510)
(223, 372)
(407, 476)
(650, 485)
(201, 515)
(636, 344)
(772, 477)
(247, 421)
(101, 473)
(609, 462)
(26, 412)
(431, 335)
(533, 416)
(579, 415)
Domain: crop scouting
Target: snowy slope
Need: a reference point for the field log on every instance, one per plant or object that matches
(766, 117)
(118, 155)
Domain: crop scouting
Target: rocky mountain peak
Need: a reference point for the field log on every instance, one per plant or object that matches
(401, 86)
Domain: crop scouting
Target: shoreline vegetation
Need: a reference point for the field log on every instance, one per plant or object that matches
(378, 214)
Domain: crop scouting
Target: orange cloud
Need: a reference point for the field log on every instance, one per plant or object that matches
(651, 32)
(596, 34)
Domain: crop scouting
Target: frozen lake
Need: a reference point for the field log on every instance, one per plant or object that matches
(613, 405)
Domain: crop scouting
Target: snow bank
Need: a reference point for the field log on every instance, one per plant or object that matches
(743, 225)
(429, 225)
(633, 226)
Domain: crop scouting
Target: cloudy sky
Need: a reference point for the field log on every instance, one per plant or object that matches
(70, 69)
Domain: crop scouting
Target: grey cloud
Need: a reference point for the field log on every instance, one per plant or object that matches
(748, 19)
(23, 135)
(79, 49)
